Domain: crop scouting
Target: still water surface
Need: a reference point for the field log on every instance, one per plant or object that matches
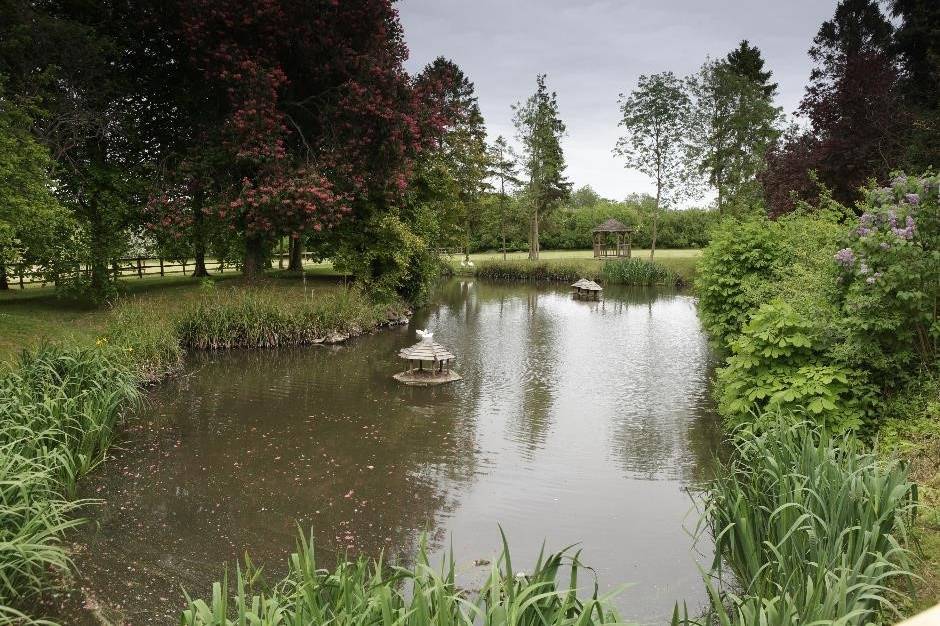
(575, 422)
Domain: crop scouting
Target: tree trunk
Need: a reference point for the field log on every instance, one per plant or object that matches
(199, 236)
(502, 214)
(99, 255)
(534, 237)
(655, 222)
(253, 264)
(4, 281)
(296, 263)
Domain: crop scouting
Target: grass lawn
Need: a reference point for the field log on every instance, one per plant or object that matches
(33, 315)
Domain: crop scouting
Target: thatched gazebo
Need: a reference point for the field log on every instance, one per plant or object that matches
(623, 235)
(430, 353)
(587, 289)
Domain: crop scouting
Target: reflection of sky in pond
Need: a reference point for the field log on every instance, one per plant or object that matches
(575, 422)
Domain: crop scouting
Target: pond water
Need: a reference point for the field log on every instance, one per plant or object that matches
(575, 422)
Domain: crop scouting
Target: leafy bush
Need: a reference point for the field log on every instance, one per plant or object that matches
(890, 280)
(778, 365)
(810, 528)
(364, 593)
(753, 261)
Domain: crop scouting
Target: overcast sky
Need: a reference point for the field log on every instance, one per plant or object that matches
(593, 50)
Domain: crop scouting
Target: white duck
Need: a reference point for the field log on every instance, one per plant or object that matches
(425, 335)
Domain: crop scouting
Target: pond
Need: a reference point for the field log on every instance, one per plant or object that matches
(575, 422)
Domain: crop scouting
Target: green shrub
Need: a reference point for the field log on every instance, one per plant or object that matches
(810, 528)
(890, 281)
(778, 365)
(751, 262)
(364, 593)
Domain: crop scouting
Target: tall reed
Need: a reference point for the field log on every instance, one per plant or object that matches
(810, 529)
(265, 318)
(370, 592)
(639, 272)
(618, 272)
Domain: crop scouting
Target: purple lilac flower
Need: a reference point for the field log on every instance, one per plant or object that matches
(906, 233)
(863, 231)
(892, 218)
(912, 198)
(845, 257)
(899, 181)
(863, 268)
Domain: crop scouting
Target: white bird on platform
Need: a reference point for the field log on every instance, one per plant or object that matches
(425, 334)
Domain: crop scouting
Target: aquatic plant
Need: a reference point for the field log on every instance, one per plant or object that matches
(811, 529)
(639, 272)
(263, 318)
(58, 411)
(371, 592)
(621, 271)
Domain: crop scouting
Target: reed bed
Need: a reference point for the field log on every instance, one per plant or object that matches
(617, 272)
(266, 318)
(639, 272)
(365, 592)
(58, 411)
(810, 529)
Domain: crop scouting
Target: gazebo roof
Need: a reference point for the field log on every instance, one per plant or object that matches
(426, 351)
(587, 285)
(612, 226)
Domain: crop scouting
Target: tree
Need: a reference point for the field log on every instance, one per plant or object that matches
(68, 60)
(461, 140)
(733, 123)
(540, 130)
(504, 168)
(917, 44)
(28, 210)
(654, 117)
(856, 119)
(746, 61)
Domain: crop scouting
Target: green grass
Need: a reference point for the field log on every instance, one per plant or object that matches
(566, 263)
(633, 271)
(373, 593)
(58, 411)
(266, 317)
(811, 530)
(34, 316)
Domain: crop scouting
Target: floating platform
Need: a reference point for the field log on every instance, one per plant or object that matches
(425, 378)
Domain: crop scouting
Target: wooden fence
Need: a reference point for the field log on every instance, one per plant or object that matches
(134, 267)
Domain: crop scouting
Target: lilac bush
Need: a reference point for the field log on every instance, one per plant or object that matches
(890, 279)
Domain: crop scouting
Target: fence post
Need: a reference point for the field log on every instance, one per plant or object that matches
(140, 270)
(184, 266)
(161, 266)
(116, 268)
(22, 286)
(221, 266)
